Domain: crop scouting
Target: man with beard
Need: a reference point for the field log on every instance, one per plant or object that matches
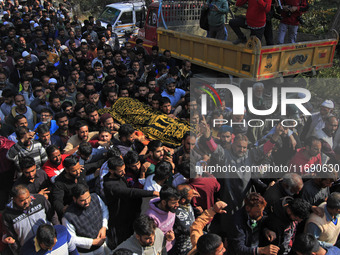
(63, 131)
(184, 219)
(46, 118)
(317, 120)
(60, 89)
(326, 135)
(55, 104)
(17, 73)
(54, 165)
(164, 106)
(156, 155)
(235, 185)
(174, 94)
(36, 180)
(108, 122)
(21, 108)
(26, 146)
(19, 121)
(82, 134)
(245, 233)
(163, 211)
(93, 117)
(46, 139)
(124, 139)
(64, 183)
(24, 214)
(308, 156)
(187, 149)
(283, 219)
(86, 220)
(147, 239)
(133, 169)
(290, 185)
(122, 201)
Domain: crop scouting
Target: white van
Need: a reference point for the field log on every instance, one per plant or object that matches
(125, 17)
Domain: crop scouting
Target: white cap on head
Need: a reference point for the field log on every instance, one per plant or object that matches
(32, 22)
(328, 103)
(25, 54)
(6, 23)
(52, 80)
(48, 19)
(4, 13)
(36, 25)
(63, 47)
(83, 40)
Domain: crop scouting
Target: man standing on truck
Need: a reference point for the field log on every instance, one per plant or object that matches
(291, 19)
(255, 19)
(216, 18)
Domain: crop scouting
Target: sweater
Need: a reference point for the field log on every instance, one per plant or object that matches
(133, 245)
(64, 244)
(164, 220)
(329, 230)
(256, 12)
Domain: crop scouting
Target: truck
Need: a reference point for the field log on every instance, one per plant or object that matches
(126, 18)
(175, 27)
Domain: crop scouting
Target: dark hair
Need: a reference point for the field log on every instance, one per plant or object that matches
(59, 85)
(114, 162)
(26, 162)
(79, 190)
(19, 117)
(163, 170)
(255, 200)
(70, 161)
(42, 129)
(153, 145)
(60, 115)
(122, 251)
(306, 244)
(85, 148)
(90, 108)
(183, 190)
(46, 110)
(53, 96)
(168, 193)
(300, 208)
(50, 149)
(207, 244)
(113, 152)
(131, 157)
(126, 130)
(184, 168)
(46, 234)
(21, 131)
(8, 93)
(80, 124)
(188, 134)
(144, 225)
(164, 100)
(310, 140)
(104, 129)
(65, 105)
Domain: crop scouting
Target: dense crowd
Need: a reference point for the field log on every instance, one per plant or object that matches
(73, 180)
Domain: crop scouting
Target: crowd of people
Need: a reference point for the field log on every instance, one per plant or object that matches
(73, 180)
(258, 19)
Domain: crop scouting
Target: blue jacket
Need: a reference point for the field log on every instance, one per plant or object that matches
(244, 238)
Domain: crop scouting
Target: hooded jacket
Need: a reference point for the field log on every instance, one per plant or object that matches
(164, 220)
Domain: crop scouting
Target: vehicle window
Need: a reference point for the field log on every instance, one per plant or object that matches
(109, 15)
(152, 20)
(139, 18)
(126, 18)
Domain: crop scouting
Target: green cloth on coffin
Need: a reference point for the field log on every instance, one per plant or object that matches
(154, 125)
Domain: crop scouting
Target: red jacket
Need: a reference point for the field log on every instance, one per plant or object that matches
(256, 12)
(289, 18)
(5, 145)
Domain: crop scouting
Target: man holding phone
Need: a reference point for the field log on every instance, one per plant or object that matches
(216, 18)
